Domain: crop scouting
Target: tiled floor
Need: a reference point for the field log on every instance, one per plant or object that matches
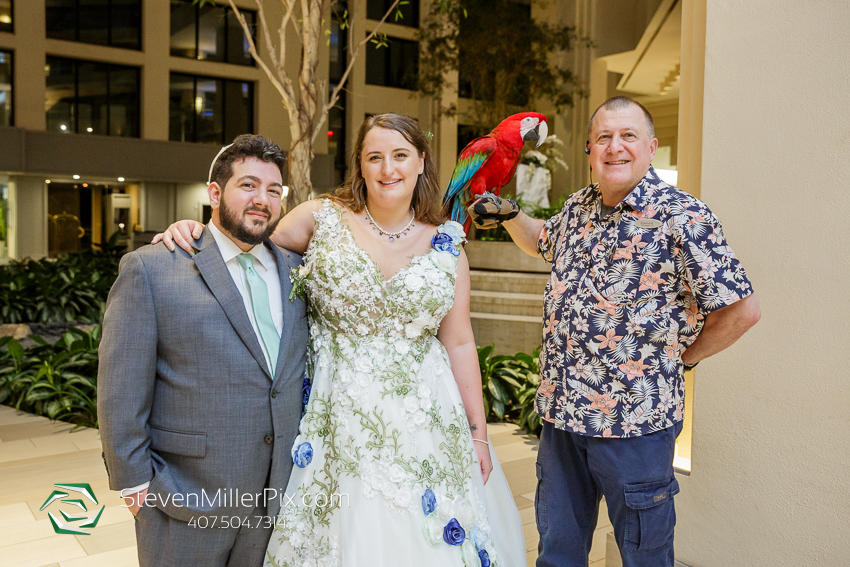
(36, 453)
(517, 453)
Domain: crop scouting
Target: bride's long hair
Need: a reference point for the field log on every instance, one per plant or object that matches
(427, 195)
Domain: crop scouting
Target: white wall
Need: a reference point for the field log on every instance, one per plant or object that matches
(189, 200)
(771, 448)
(31, 217)
(158, 205)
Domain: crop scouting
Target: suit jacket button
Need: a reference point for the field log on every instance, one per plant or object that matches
(274, 394)
(268, 439)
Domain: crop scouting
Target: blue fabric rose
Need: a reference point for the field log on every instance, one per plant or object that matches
(444, 243)
(453, 229)
(305, 391)
(479, 537)
(303, 455)
(485, 559)
(429, 501)
(453, 534)
(450, 248)
(441, 238)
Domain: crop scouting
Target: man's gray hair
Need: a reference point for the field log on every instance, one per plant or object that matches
(619, 103)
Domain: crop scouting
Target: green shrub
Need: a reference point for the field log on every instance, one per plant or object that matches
(71, 288)
(526, 413)
(509, 386)
(499, 380)
(2, 222)
(56, 381)
(546, 213)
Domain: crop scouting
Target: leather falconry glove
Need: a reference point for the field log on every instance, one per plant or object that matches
(488, 210)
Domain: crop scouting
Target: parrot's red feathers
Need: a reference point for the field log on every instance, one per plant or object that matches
(489, 163)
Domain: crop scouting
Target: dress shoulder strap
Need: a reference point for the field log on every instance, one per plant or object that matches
(329, 217)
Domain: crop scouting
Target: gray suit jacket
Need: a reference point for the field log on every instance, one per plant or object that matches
(185, 399)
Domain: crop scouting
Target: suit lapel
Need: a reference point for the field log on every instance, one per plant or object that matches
(217, 277)
(284, 258)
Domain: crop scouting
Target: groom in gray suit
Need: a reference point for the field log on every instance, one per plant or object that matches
(201, 372)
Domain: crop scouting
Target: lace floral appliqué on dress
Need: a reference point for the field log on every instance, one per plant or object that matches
(385, 472)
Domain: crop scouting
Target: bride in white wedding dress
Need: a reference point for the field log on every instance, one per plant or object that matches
(392, 454)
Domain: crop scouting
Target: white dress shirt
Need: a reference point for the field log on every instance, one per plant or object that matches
(266, 266)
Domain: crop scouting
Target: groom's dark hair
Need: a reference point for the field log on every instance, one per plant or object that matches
(245, 146)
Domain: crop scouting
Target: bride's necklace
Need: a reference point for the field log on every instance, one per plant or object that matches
(392, 235)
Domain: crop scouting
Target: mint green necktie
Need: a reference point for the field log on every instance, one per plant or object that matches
(262, 309)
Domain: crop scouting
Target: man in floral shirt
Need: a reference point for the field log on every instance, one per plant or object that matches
(643, 286)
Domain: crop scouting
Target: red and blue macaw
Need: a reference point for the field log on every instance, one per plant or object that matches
(489, 163)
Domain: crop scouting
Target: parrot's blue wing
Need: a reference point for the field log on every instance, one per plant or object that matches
(470, 160)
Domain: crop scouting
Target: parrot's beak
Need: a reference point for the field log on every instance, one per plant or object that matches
(538, 133)
(542, 132)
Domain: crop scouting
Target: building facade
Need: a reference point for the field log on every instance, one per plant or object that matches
(130, 98)
(134, 97)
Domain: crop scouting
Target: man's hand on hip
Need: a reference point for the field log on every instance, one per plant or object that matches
(722, 328)
(137, 498)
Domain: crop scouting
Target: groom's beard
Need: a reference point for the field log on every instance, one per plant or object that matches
(247, 230)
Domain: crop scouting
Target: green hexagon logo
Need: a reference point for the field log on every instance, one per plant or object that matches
(61, 493)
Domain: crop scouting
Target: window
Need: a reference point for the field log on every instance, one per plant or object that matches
(117, 23)
(375, 10)
(208, 110)
(86, 97)
(7, 117)
(6, 15)
(393, 65)
(210, 33)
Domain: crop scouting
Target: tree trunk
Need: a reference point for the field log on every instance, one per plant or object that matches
(308, 89)
(308, 109)
(300, 181)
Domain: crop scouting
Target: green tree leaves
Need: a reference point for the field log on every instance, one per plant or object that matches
(506, 58)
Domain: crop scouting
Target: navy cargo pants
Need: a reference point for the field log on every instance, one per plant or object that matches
(636, 477)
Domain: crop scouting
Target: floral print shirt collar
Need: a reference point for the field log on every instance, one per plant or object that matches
(637, 199)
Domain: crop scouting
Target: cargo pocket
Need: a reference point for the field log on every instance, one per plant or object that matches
(541, 516)
(651, 515)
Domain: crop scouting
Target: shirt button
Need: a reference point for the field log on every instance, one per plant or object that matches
(268, 439)
(274, 394)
